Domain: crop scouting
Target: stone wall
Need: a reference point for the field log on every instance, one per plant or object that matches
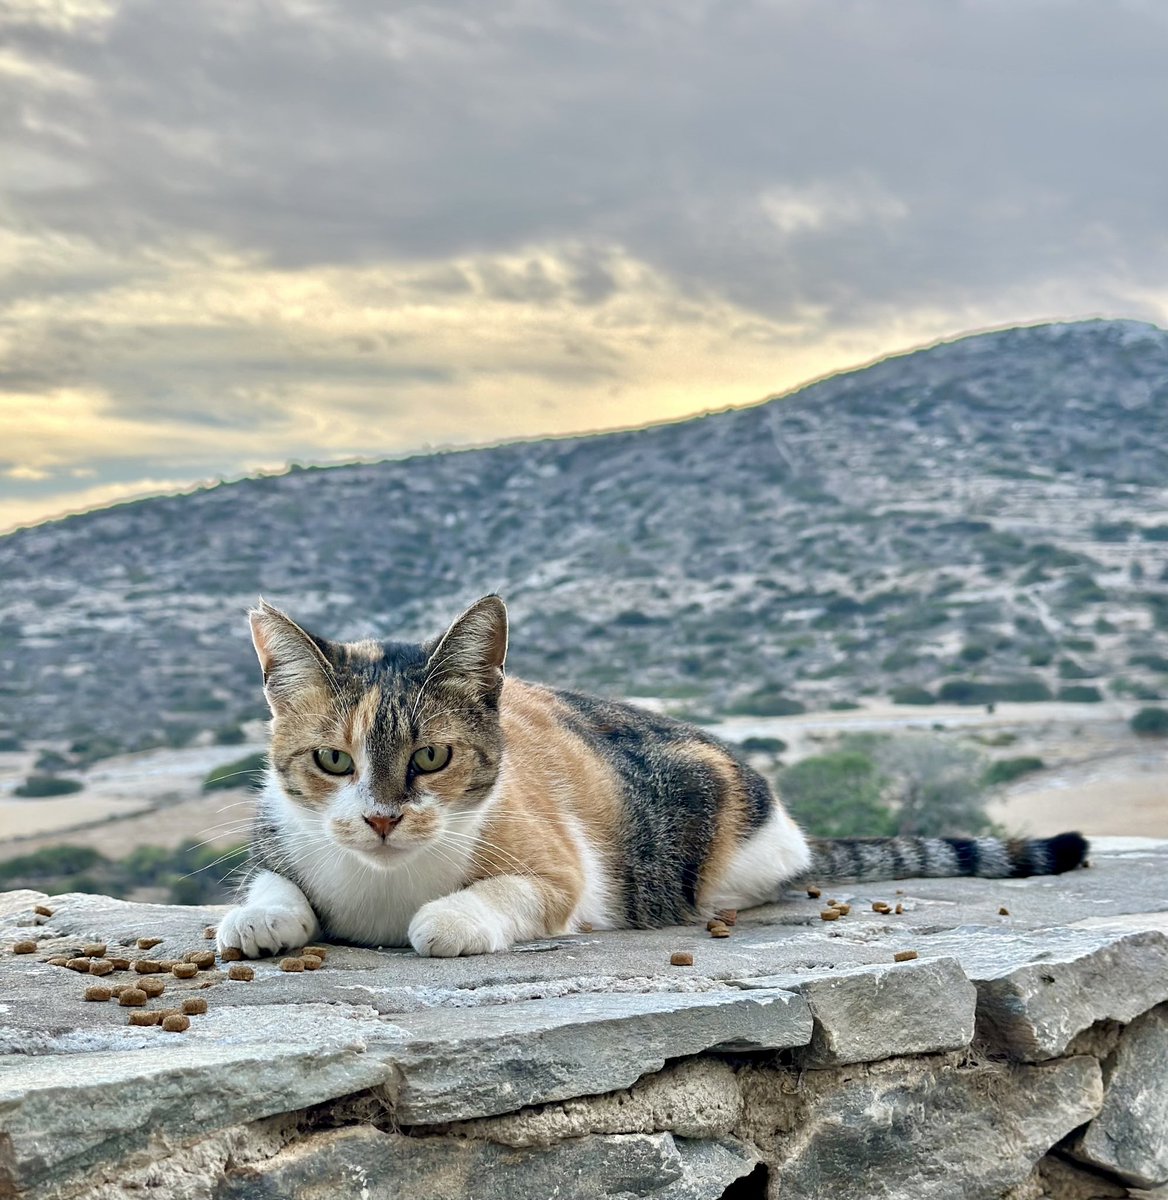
(1023, 1053)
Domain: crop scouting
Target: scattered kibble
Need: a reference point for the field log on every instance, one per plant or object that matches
(881, 907)
(681, 958)
(42, 911)
(24, 948)
(713, 923)
(148, 966)
(58, 961)
(194, 1005)
(132, 997)
(311, 962)
(176, 1023)
(145, 943)
(97, 950)
(1003, 911)
(900, 891)
(101, 966)
(203, 959)
(97, 992)
(833, 904)
(899, 910)
(723, 932)
(152, 986)
(184, 970)
(240, 971)
(292, 964)
(814, 893)
(843, 909)
(829, 914)
(728, 916)
(78, 964)
(905, 955)
(145, 1018)
(210, 933)
(321, 952)
(168, 964)
(232, 954)
(120, 964)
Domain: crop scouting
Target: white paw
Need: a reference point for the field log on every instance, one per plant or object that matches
(259, 929)
(458, 924)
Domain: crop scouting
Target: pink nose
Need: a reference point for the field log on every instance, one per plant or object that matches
(383, 826)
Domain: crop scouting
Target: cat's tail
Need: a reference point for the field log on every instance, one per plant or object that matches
(862, 860)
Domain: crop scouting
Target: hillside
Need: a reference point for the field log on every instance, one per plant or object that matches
(987, 511)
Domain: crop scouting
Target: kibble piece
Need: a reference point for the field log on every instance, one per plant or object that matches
(311, 962)
(145, 943)
(148, 966)
(728, 916)
(203, 959)
(899, 910)
(292, 964)
(145, 1017)
(78, 964)
(120, 964)
(843, 909)
(97, 992)
(101, 966)
(681, 958)
(904, 955)
(168, 964)
(1003, 911)
(829, 914)
(240, 971)
(814, 893)
(132, 997)
(232, 954)
(720, 932)
(880, 906)
(210, 933)
(321, 952)
(41, 911)
(176, 1023)
(152, 986)
(59, 961)
(194, 1005)
(25, 947)
(96, 950)
(184, 970)
(715, 923)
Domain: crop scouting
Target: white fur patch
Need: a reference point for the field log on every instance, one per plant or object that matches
(486, 917)
(775, 853)
(275, 917)
(595, 904)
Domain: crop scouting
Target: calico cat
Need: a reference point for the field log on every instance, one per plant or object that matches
(416, 795)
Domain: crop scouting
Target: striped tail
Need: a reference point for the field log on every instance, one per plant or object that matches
(862, 860)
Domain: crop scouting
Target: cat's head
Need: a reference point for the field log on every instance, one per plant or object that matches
(384, 746)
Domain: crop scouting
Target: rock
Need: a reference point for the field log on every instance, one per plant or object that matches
(1129, 1137)
(903, 1129)
(1037, 989)
(867, 1013)
(388, 1166)
(1061, 1180)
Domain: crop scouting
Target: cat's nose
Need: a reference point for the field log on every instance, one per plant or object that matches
(383, 826)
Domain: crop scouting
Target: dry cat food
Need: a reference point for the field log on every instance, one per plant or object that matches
(176, 1023)
(148, 966)
(132, 997)
(292, 964)
(681, 958)
(814, 893)
(96, 950)
(881, 907)
(210, 933)
(59, 961)
(203, 959)
(1003, 911)
(241, 971)
(145, 1018)
(232, 954)
(25, 947)
(145, 943)
(41, 911)
(728, 916)
(78, 964)
(842, 909)
(97, 992)
(720, 931)
(101, 966)
(829, 914)
(194, 1005)
(321, 952)
(904, 956)
(311, 962)
(152, 987)
(184, 970)
(120, 964)
(899, 910)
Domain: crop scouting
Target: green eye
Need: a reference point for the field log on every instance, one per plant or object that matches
(333, 762)
(430, 758)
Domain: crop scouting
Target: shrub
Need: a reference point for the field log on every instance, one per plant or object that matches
(967, 691)
(1080, 694)
(1150, 722)
(48, 785)
(229, 735)
(837, 795)
(763, 745)
(243, 772)
(1069, 669)
(1006, 770)
(911, 694)
(766, 702)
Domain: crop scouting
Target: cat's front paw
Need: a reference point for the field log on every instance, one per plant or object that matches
(458, 924)
(258, 930)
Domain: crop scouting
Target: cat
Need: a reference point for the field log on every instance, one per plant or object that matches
(417, 795)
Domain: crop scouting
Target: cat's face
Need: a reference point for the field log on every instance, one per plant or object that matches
(385, 749)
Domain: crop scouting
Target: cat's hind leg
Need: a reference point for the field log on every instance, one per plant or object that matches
(275, 916)
(763, 862)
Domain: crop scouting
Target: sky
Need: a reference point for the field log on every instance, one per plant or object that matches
(236, 234)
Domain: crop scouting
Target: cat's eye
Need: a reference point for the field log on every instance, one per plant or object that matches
(430, 759)
(333, 762)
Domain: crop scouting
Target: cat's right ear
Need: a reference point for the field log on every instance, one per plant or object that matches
(292, 660)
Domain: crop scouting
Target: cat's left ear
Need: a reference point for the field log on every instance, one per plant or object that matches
(469, 656)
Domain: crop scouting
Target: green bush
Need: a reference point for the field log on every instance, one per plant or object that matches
(1069, 669)
(243, 772)
(229, 735)
(1080, 694)
(969, 691)
(766, 702)
(1006, 770)
(837, 795)
(49, 862)
(911, 694)
(48, 785)
(763, 745)
(1150, 722)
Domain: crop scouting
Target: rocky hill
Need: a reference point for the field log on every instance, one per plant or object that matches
(982, 519)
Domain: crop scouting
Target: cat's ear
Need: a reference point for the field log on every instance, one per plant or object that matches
(292, 660)
(469, 656)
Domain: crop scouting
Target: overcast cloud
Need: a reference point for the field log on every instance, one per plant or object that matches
(234, 234)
